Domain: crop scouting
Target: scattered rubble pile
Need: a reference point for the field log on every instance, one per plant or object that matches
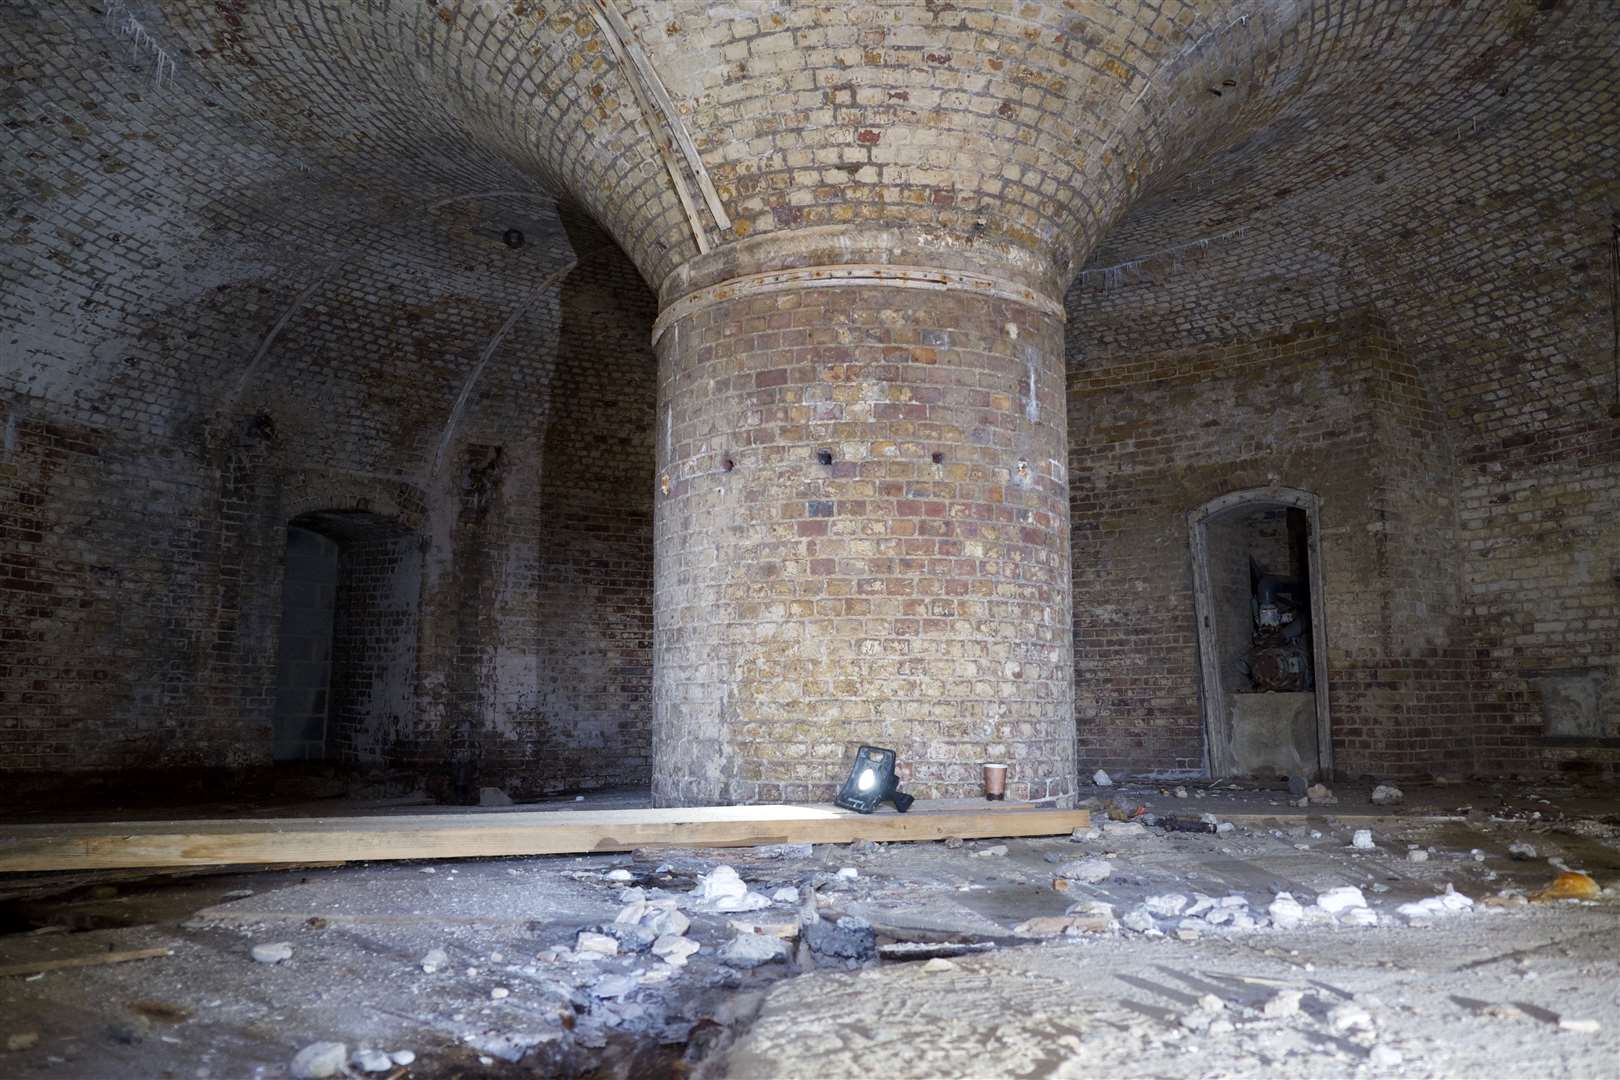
(649, 946)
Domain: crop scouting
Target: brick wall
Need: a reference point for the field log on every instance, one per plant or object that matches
(1330, 408)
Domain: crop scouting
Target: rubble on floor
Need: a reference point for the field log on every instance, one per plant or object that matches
(621, 964)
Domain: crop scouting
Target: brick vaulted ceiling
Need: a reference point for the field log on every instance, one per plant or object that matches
(200, 198)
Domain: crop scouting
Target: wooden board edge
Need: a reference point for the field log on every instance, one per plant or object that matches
(113, 850)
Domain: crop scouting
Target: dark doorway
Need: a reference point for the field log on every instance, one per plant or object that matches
(346, 670)
(1256, 566)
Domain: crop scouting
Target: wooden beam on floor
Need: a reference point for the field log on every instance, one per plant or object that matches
(116, 845)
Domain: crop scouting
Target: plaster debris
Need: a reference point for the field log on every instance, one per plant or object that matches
(1086, 871)
(1286, 912)
(1521, 851)
(273, 953)
(938, 964)
(1417, 855)
(493, 796)
(1085, 835)
(1583, 1027)
(721, 883)
(1338, 901)
(1167, 905)
(1283, 1004)
(674, 949)
(620, 874)
(434, 961)
(1448, 903)
(1387, 795)
(989, 852)
(1102, 779)
(373, 1061)
(589, 941)
(1349, 1016)
(1383, 1056)
(1320, 794)
(1139, 920)
(403, 1057)
(317, 1061)
(499, 993)
(849, 873)
(787, 894)
(1180, 793)
(1362, 840)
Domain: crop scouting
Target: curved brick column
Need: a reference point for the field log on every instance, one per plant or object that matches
(912, 593)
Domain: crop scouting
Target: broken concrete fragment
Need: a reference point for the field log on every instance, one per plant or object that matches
(848, 938)
(317, 1061)
(619, 874)
(22, 1040)
(1139, 920)
(787, 894)
(1088, 871)
(1450, 902)
(1521, 851)
(1387, 795)
(1383, 1057)
(1349, 1016)
(1417, 855)
(674, 949)
(990, 852)
(1320, 794)
(493, 796)
(403, 1057)
(589, 941)
(273, 953)
(1342, 899)
(1211, 1003)
(435, 960)
(938, 964)
(1362, 840)
(720, 883)
(848, 873)
(1167, 905)
(752, 950)
(1102, 779)
(1285, 911)
(1359, 917)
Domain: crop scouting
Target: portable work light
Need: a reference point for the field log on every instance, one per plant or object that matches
(872, 781)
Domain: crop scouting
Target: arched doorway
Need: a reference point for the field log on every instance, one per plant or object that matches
(346, 660)
(1262, 634)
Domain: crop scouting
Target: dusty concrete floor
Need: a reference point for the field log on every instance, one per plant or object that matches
(1481, 993)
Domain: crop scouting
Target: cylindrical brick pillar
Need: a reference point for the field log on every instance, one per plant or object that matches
(862, 535)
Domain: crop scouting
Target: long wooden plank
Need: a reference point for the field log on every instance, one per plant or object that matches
(91, 960)
(30, 848)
